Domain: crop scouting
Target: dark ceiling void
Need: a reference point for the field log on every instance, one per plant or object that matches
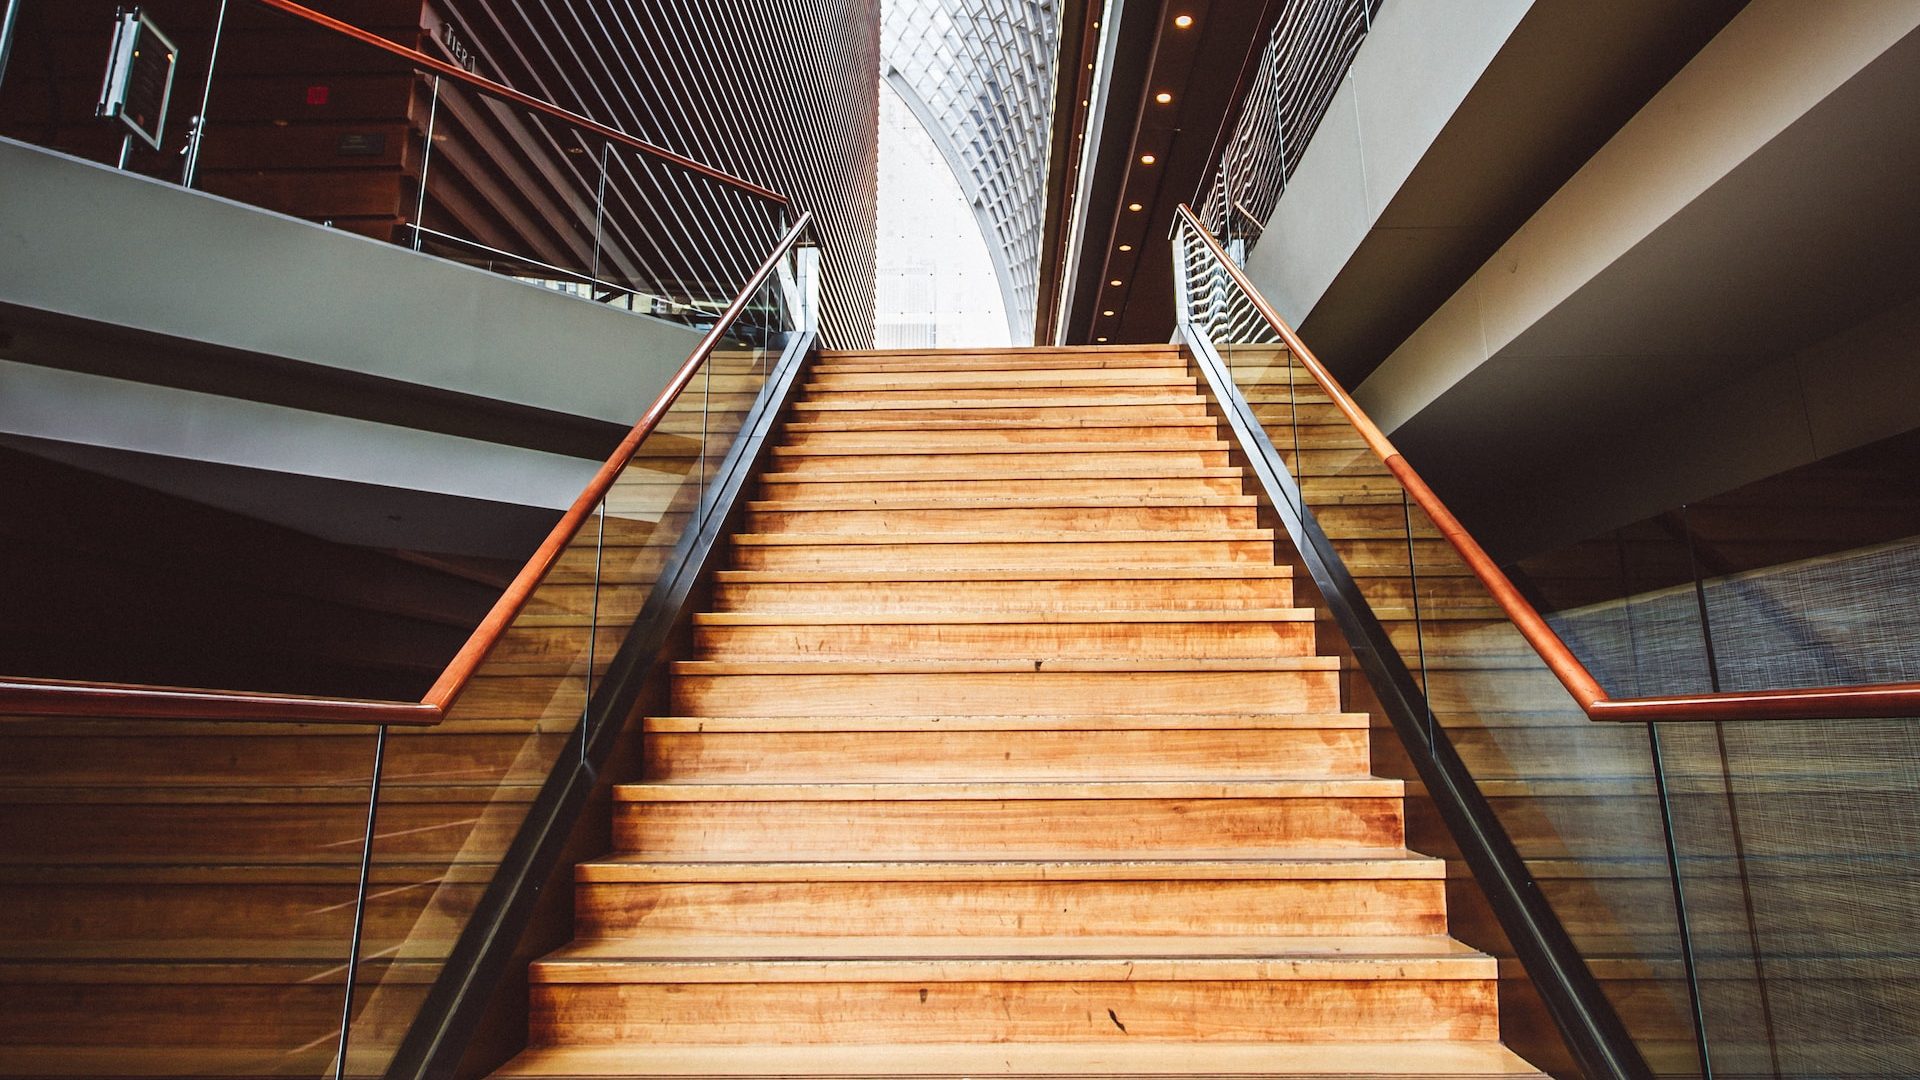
(1175, 74)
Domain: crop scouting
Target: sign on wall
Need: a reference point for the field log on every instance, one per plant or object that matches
(139, 79)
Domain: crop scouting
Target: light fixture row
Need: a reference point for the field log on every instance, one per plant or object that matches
(1183, 22)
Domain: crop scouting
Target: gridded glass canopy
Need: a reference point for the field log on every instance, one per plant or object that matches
(979, 75)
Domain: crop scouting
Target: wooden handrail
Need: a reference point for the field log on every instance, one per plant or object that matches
(127, 701)
(501, 90)
(1884, 700)
(487, 634)
(123, 701)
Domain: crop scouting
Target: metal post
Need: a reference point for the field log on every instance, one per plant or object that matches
(593, 629)
(197, 128)
(7, 25)
(360, 902)
(426, 159)
(126, 151)
(600, 211)
(1685, 927)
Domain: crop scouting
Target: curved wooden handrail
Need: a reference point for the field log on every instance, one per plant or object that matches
(1885, 700)
(501, 90)
(122, 701)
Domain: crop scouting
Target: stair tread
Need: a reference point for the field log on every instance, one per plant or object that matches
(1039, 958)
(1346, 866)
(840, 424)
(989, 502)
(1198, 571)
(999, 665)
(1063, 401)
(1013, 616)
(1076, 1059)
(1111, 472)
(1114, 536)
(1060, 722)
(1196, 446)
(1306, 787)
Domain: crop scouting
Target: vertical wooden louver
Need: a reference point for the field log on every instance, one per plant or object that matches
(782, 92)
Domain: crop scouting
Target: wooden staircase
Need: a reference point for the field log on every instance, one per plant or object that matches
(1004, 751)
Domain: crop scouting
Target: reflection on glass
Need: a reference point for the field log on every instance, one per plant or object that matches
(1577, 798)
(455, 795)
(178, 896)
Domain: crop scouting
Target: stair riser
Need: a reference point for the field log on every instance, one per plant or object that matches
(1294, 1010)
(1196, 594)
(986, 438)
(1013, 908)
(975, 380)
(1025, 828)
(907, 397)
(870, 756)
(1016, 486)
(1001, 556)
(1025, 360)
(1055, 414)
(959, 641)
(827, 465)
(975, 519)
(1038, 693)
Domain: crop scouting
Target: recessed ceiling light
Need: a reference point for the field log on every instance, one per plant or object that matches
(1146, 159)
(1126, 247)
(1100, 340)
(1106, 313)
(1183, 21)
(1115, 281)
(1135, 207)
(1163, 97)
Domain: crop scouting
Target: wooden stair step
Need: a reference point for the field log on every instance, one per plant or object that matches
(713, 957)
(1051, 989)
(1029, 1060)
(1000, 617)
(964, 460)
(764, 750)
(1395, 865)
(963, 501)
(1172, 900)
(1117, 548)
(1110, 411)
(990, 433)
(837, 379)
(1161, 480)
(877, 522)
(1082, 635)
(870, 722)
(906, 592)
(966, 820)
(1279, 684)
(1093, 387)
(892, 574)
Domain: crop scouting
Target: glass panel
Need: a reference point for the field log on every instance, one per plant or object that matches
(454, 796)
(1625, 604)
(177, 897)
(1577, 798)
(1799, 846)
(1802, 580)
